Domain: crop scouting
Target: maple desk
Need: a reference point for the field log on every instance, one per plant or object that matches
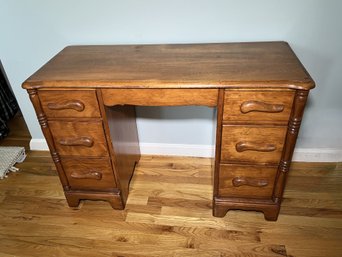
(85, 96)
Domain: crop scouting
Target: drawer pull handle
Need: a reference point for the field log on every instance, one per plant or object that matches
(70, 104)
(78, 141)
(254, 146)
(246, 181)
(257, 106)
(87, 175)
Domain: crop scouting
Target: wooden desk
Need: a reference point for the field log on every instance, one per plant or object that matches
(85, 96)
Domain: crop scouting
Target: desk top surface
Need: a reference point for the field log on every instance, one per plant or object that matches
(261, 64)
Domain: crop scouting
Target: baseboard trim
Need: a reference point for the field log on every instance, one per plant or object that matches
(38, 145)
(300, 154)
(317, 155)
(177, 149)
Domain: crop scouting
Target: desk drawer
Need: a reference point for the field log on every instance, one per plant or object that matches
(64, 104)
(246, 181)
(79, 138)
(257, 105)
(256, 144)
(89, 174)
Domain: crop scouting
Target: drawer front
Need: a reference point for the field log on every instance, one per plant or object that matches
(256, 144)
(79, 138)
(246, 181)
(89, 174)
(64, 104)
(257, 105)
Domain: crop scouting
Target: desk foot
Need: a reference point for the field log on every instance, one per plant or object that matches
(114, 198)
(222, 205)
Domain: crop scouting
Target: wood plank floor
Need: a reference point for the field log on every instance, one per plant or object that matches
(168, 214)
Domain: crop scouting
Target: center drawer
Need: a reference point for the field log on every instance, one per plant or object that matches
(252, 144)
(82, 138)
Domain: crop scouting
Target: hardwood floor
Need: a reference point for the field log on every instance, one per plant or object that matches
(168, 214)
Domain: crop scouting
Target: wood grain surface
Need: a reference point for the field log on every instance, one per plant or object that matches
(124, 147)
(260, 64)
(68, 138)
(246, 181)
(79, 173)
(168, 213)
(160, 97)
(63, 104)
(252, 144)
(246, 106)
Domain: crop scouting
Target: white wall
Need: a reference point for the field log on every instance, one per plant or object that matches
(33, 31)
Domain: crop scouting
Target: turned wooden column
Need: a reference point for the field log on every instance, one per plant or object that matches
(42, 119)
(290, 142)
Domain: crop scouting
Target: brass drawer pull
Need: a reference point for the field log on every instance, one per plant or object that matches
(70, 104)
(254, 146)
(78, 141)
(87, 175)
(257, 106)
(246, 181)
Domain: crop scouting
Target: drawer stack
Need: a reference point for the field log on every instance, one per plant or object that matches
(79, 141)
(254, 128)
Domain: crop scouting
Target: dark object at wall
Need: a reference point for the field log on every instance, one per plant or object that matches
(8, 103)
